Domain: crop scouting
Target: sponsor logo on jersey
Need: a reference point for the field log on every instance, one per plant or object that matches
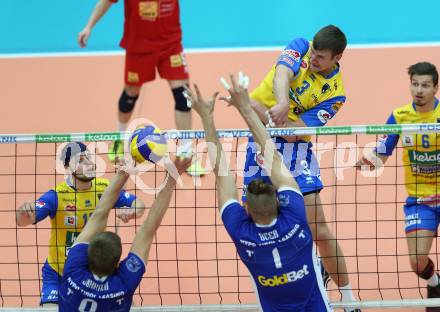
(297, 110)
(283, 200)
(286, 60)
(295, 55)
(324, 116)
(293, 97)
(408, 140)
(132, 77)
(259, 159)
(424, 158)
(289, 277)
(412, 219)
(148, 10)
(382, 138)
(325, 88)
(304, 65)
(176, 60)
(133, 264)
(69, 220)
(70, 207)
(40, 204)
(337, 106)
(401, 112)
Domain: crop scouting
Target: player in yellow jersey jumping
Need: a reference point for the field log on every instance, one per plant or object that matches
(304, 89)
(421, 160)
(69, 206)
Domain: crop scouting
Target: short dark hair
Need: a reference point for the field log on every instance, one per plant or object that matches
(424, 68)
(330, 38)
(104, 253)
(261, 198)
(71, 149)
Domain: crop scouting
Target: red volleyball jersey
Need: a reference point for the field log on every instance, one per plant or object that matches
(151, 25)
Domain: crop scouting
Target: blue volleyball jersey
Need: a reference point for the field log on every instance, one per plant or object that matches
(81, 290)
(279, 256)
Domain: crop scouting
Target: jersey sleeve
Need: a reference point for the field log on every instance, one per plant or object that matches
(46, 205)
(233, 215)
(323, 112)
(76, 258)
(291, 201)
(387, 142)
(292, 55)
(125, 199)
(131, 270)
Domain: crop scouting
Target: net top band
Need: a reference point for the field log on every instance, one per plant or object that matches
(224, 133)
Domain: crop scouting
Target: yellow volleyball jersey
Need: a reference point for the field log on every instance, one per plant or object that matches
(313, 98)
(74, 209)
(421, 151)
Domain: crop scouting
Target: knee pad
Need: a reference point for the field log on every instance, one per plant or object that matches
(180, 101)
(127, 102)
(428, 271)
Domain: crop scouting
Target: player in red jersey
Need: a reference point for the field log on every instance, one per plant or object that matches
(152, 39)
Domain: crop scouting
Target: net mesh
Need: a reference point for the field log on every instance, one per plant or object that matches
(192, 261)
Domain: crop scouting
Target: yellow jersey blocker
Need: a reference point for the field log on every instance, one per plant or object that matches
(421, 162)
(69, 210)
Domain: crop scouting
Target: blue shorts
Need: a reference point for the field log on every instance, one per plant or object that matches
(420, 217)
(298, 158)
(51, 281)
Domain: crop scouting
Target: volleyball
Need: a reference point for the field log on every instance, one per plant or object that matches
(147, 144)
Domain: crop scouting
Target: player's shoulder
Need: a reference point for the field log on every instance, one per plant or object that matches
(402, 112)
(101, 183)
(63, 187)
(297, 49)
(285, 193)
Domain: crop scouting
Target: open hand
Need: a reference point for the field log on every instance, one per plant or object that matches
(201, 106)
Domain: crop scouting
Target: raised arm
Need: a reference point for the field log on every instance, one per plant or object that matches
(144, 236)
(279, 174)
(225, 181)
(98, 221)
(100, 9)
(281, 86)
(287, 67)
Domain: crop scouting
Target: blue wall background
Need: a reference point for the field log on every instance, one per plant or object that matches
(32, 26)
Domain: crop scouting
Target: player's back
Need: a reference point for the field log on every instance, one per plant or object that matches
(81, 290)
(87, 293)
(280, 256)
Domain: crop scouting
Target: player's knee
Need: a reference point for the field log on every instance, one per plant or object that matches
(180, 100)
(421, 264)
(127, 102)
